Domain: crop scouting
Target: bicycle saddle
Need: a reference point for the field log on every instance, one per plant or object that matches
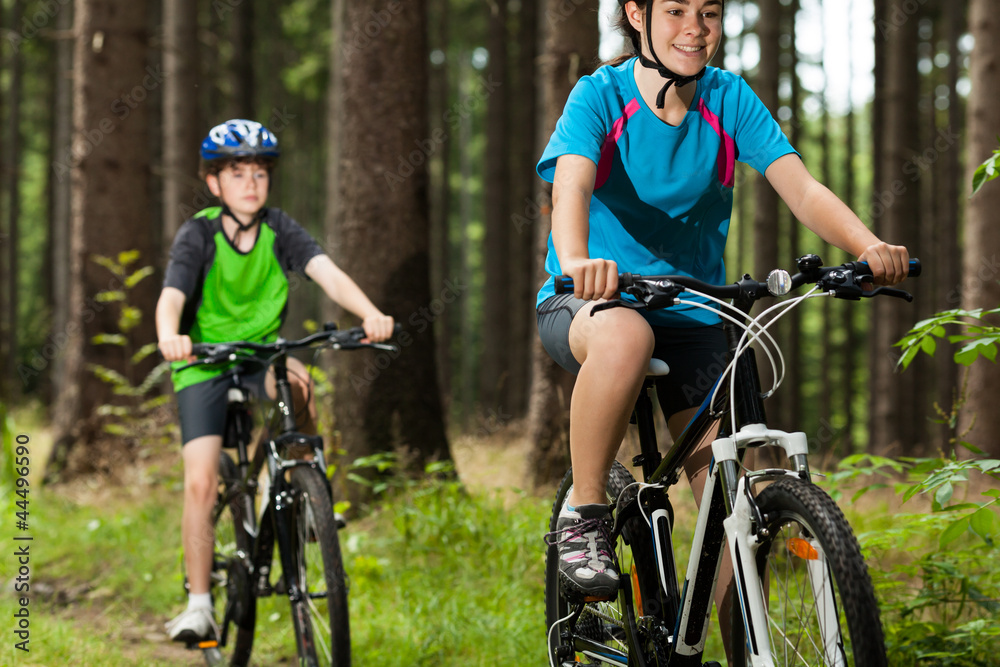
(657, 367)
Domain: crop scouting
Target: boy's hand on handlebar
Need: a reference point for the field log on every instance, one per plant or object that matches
(592, 278)
(889, 263)
(176, 348)
(377, 328)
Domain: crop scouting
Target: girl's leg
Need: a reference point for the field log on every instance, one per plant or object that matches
(614, 348)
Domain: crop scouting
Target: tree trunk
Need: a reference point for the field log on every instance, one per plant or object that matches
(11, 184)
(791, 396)
(59, 191)
(385, 401)
(569, 50)
(851, 346)
(109, 168)
(524, 210)
(897, 209)
(765, 223)
(182, 128)
(241, 65)
(980, 288)
(494, 371)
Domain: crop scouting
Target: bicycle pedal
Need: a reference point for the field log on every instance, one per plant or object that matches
(203, 645)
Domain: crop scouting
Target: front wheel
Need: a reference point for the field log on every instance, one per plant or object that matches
(322, 630)
(820, 600)
(232, 593)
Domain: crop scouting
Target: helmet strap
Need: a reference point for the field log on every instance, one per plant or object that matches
(240, 226)
(672, 77)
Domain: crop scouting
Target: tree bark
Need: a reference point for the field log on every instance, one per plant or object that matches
(523, 217)
(569, 51)
(494, 370)
(109, 170)
(182, 127)
(892, 428)
(982, 238)
(382, 234)
(11, 184)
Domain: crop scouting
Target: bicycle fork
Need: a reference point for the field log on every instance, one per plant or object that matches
(744, 540)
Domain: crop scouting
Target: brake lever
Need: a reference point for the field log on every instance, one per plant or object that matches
(889, 291)
(617, 303)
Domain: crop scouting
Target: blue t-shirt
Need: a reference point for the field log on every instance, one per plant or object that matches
(663, 194)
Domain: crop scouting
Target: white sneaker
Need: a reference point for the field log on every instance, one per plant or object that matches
(193, 625)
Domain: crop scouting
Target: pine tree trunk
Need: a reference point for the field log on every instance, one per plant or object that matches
(182, 128)
(385, 403)
(569, 49)
(59, 191)
(11, 184)
(766, 223)
(524, 210)
(980, 288)
(494, 371)
(897, 209)
(241, 65)
(109, 168)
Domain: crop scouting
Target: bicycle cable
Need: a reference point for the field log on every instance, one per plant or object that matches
(553, 627)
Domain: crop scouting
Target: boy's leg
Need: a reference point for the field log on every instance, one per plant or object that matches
(201, 469)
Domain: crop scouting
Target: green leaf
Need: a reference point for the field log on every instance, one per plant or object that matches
(126, 257)
(982, 523)
(109, 339)
(144, 351)
(944, 494)
(954, 531)
(107, 263)
(968, 354)
(137, 276)
(928, 345)
(108, 375)
(108, 296)
(129, 319)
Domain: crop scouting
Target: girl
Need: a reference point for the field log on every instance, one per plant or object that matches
(642, 163)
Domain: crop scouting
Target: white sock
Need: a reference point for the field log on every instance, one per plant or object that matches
(199, 601)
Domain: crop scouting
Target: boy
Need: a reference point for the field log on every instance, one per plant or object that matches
(226, 281)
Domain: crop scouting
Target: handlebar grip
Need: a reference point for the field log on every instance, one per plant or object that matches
(564, 285)
(862, 268)
(200, 348)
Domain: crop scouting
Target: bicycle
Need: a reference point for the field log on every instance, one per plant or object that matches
(802, 592)
(295, 511)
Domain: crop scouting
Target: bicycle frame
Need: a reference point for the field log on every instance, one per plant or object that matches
(273, 522)
(726, 510)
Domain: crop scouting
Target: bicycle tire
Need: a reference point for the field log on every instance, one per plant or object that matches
(798, 510)
(612, 623)
(322, 627)
(232, 591)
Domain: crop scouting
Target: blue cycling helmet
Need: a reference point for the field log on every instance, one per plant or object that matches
(239, 138)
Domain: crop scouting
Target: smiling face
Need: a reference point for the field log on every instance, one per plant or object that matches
(243, 186)
(686, 33)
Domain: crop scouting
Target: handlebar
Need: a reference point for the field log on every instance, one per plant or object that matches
(655, 292)
(348, 339)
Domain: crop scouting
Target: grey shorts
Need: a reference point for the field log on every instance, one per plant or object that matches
(696, 355)
(202, 406)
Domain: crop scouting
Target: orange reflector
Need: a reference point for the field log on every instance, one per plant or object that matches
(209, 644)
(802, 549)
(636, 593)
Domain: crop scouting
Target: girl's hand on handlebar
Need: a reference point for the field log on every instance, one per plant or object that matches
(377, 328)
(592, 278)
(889, 263)
(176, 348)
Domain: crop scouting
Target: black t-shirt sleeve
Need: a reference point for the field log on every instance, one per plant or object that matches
(187, 258)
(294, 246)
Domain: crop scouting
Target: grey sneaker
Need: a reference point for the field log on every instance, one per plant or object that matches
(586, 560)
(193, 625)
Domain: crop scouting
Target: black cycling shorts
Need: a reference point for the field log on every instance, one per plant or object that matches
(696, 355)
(202, 406)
